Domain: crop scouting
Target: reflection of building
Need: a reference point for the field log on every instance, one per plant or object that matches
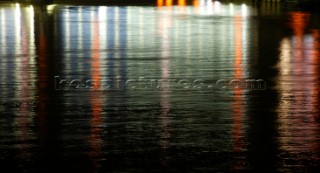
(201, 40)
(18, 72)
(175, 42)
(299, 88)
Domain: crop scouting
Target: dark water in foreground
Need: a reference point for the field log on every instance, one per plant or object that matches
(159, 88)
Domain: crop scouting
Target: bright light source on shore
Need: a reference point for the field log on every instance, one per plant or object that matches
(231, 10)
(50, 8)
(217, 6)
(244, 10)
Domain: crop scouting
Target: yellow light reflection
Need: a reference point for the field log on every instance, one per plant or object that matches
(169, 3)
(285, 56)
(182, 5)
(50, 8)
(182, 2)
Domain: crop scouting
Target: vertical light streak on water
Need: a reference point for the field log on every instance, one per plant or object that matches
(80, 54)
(165, 22)
(285, 88)
(3, 34)
(141, 37)
(123, 45)
(316, 68)
(106, 71)
(237, 101)
(74, 24)
(3, 53)
(129, 31)
(17, 18)
(19, 90)
(245, 39)
(140, 28)
(102, 11)
(224, 32)
(32, 42)
(110, 45)
(32, 58)
(200, 25)
(94, 139)
(67, 39)
(43, 81)
(24, 120)
(17, 51)
(188, 47)
(116, 46)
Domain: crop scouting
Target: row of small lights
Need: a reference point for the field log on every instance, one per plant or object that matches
(212, 8)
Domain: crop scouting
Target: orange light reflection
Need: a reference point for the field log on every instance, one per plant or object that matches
(237, 103)
(159, 3)
(95, 121)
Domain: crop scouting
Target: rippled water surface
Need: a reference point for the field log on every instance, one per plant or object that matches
(179, 86)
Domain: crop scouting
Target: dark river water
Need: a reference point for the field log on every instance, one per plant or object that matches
(180, 86)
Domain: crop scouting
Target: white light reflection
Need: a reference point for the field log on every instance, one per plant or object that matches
(102, 11)
(3, 33)
(231, 9)
(285, 55)
(165, 22)
(244, 10)
(17, 17)
(32, 46)
(18, 46)
(202, 7)
(67, 38)
(209, 7)
(217, 6)
(80, 37)
(3, 48)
